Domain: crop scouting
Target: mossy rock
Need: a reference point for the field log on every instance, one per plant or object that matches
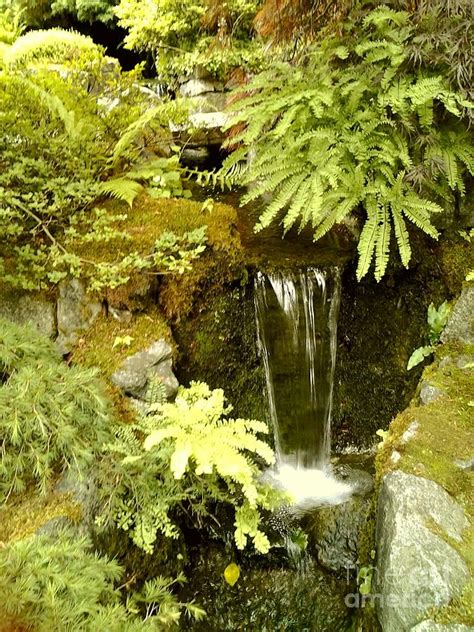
(27, 513)
(264, 598)
(219, 346)
(143, 225)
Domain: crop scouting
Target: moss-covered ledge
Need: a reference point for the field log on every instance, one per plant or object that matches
(433, 440)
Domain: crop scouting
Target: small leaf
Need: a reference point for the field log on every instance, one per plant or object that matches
(232, 574)
(418, 356)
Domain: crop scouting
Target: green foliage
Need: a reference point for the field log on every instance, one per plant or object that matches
(51, 417)
(437, 319)
(354, 131)
(53, 46)
(443, 41)
(181, 458)
(69, 135)
(58, 583)
(186, 35)
(85, 10)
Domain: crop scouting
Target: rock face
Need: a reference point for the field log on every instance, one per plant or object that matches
(26, 309)
(416, 568)
(156, 361)
(334, 530)
(75, 312)
(207, 100)
(460, 327)
(335, 533)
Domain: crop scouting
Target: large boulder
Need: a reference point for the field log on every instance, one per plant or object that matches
(460, 327)
(134, 374)
(416, 568)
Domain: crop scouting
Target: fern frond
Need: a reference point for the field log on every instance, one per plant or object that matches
(282, 199)
(401, 234)
(300, 200)
(367, 239)
(122, 189)
(382, 242)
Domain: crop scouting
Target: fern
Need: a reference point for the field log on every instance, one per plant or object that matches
(190, 454)
(337, 136)
(122, 189)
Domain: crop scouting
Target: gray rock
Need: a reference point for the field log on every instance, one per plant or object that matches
(75, 313)
(431, 626)
(410, 432)
(23, 309)
(430, 393)
(466, 464)
(122, 315)
(460, 327)
(334, 532)
(195, 157)
(416, 568)
(133, 375)
(196, 87)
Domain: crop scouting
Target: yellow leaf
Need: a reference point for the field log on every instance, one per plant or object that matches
(232, 574)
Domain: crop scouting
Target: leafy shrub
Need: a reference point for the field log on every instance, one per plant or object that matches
(182, 457)
(52, 45)
(59, 584)
(354, 130)
(183, 36)
(63, 146)
(51, 417)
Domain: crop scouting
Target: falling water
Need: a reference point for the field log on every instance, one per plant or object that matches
(297, 315)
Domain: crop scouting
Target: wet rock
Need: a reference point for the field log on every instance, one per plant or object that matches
(416, 568)
(195, 157)
(431, 626)
(75, 313)
(135, 372)
(23, 309)
(334, 532)
(361, 482)
(460, 327)
(430, 393)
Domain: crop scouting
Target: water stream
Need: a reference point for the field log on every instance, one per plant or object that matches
(296, 312)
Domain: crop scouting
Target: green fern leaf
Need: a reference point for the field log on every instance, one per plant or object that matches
(367, 240)
(122, 189)
(401, 234)
(282, 199)
(301, 199)
(382, 242)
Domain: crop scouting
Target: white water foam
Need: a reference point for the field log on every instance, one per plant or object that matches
(309, 488)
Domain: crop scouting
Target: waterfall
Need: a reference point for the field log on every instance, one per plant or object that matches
(297, 312)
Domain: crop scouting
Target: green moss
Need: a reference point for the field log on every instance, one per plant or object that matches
(219, 345)
(144, 224)
(96, 348)
(444, 435)
(457, 259)
(24, 514)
